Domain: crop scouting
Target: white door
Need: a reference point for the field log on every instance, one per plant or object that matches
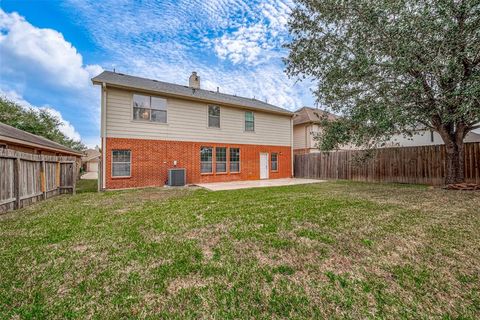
(263, 165)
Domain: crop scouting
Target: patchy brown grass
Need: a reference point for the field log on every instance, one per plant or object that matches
(332, 250)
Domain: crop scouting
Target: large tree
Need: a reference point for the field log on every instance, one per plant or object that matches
(391, 66)
(36, 121)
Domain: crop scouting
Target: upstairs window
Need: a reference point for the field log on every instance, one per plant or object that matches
(213, 116)
(274, 161)
(249, 121)
(148, 108)
(206, 160)
(234, 160)
(121, 163)
(221, 159)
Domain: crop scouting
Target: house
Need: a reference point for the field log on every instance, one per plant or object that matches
(19, 140)
(306, 125)
(149, 127)
(424, 137)
(90, 162)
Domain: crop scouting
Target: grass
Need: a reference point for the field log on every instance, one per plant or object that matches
(87, 186)
(329, 250)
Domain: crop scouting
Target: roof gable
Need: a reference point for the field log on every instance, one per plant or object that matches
(310, 115)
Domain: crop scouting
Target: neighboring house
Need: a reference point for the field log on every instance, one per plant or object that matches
(149, 127)
(91, 160)
(306, 125)
(424, 138)
(19, 140)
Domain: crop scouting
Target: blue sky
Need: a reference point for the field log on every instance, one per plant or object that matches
(49, 50)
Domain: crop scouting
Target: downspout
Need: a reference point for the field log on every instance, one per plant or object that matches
(291, 145)
(104, 133)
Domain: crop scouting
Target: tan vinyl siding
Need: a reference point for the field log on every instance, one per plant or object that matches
(187, 121)
(314, 130)
(299, 137)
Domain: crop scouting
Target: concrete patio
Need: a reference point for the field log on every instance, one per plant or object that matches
(234, 185)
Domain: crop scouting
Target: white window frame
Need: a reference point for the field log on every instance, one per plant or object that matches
(149, 120)
(271, 161)
(245, 121)
(219, 116)
(130, 163)
(230, 161)
(211, 162)
(225, 162)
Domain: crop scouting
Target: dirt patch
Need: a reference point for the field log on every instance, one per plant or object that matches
(81, 248)
(276, 257)
(208, 237)
(192, 281)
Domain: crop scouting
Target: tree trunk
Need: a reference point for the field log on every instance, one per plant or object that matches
(455, 153)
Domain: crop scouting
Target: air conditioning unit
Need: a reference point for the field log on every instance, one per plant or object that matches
(177, 177)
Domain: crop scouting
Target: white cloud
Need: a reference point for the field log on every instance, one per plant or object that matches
(42, 54)
(265, 82)
(65, 126)
(259, 40)
(40, 65)
(236, 45)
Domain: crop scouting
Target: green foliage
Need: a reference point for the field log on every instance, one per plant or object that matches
(390, 66)
(39, 122)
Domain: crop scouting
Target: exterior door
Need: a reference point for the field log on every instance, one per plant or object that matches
(263, 165)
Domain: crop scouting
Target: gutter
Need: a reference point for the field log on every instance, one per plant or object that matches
(103, 133)
(291, 145)
(190, 98)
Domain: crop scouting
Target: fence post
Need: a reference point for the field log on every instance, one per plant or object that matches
(43, 179)
(74, 177)
(16, 182)
(57, 175)
(100, 175)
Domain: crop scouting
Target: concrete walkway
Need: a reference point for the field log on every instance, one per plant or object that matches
(89, 176)
(234, 185)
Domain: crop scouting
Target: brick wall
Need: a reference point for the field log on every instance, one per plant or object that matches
(151, 160)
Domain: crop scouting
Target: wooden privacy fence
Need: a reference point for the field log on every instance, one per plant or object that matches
(423, 165)
(27, 178)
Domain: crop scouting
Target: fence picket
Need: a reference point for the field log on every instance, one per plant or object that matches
(425, 165)
(27, 178)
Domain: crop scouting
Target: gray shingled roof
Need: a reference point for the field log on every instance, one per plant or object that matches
(14, 133)
(127, 81)
(310, 115)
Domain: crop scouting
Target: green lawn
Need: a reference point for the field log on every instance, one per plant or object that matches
(331, 250)
(87, 186)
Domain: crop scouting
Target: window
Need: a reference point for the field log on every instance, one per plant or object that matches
(221, 159)
(159, 110)
(274, 161)
(213, 116)
(249, 121)
(121, 161)
(149, 108)
(234, 160)
(206, 160)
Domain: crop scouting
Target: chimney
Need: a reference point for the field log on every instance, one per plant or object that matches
(194, 81)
